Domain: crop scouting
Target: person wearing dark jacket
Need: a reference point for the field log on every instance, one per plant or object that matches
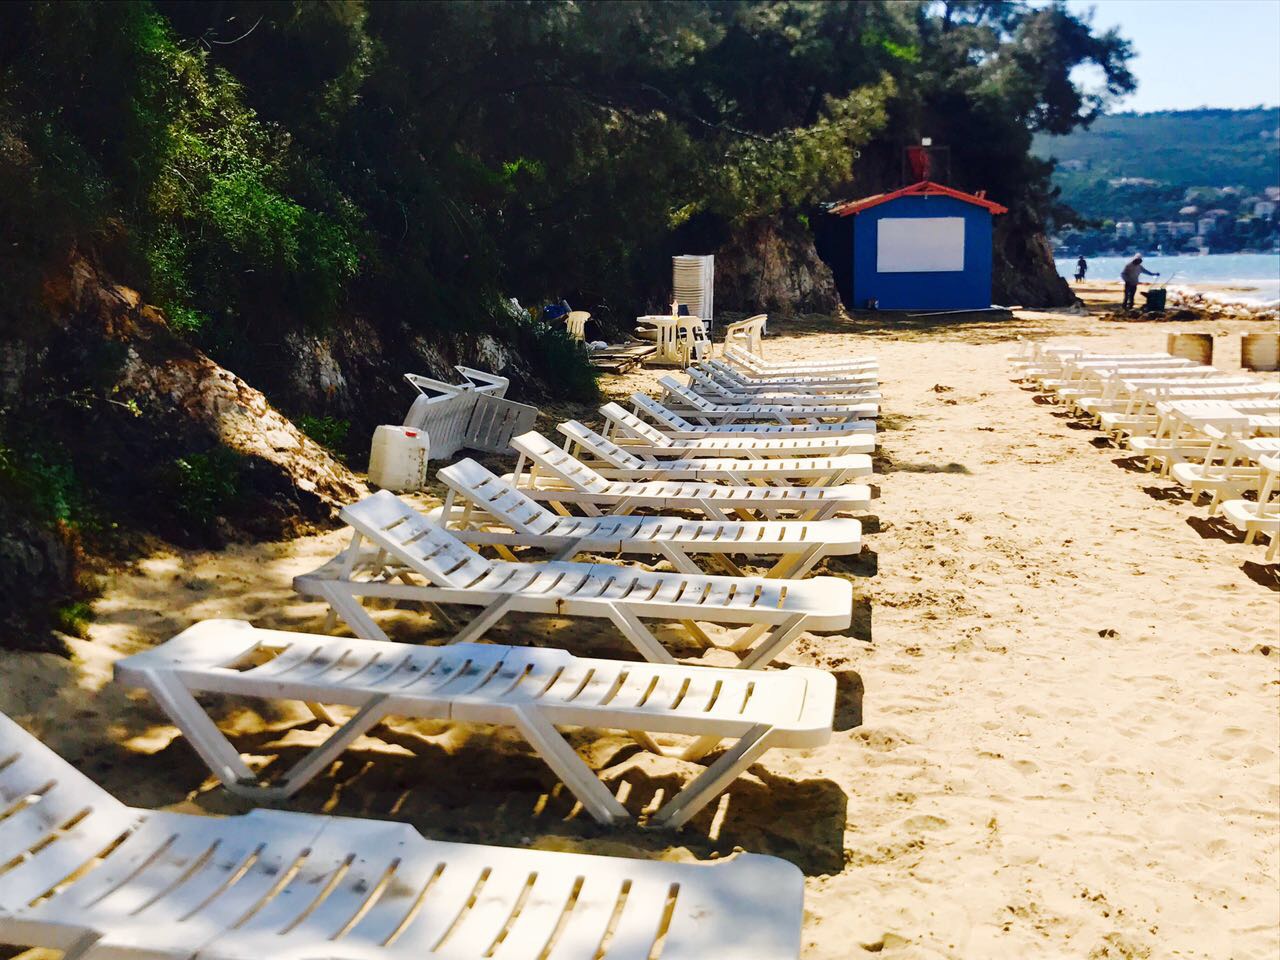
(1133, 270)
(1082, 267)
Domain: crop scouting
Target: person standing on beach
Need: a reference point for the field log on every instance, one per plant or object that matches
(1133, 270)
(1082, 267)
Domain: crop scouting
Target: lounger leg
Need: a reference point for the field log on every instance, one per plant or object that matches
(700, 747)
(697, 633)
(223, 758)
(639, 635)
(729, 567)
(306, 769)
(349, 608)
(201, 732)
(485, 619)
(678, 559)
(711, 510)
(796, 565)
(708, 784)
(780, 638)
(569, 767)
(641, 737)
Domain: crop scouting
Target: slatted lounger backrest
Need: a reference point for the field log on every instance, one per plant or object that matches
(601, 447)
(42, 797)
(494, 421)
(547, 456)
(661, 413)
(687, 396)
(411, 538)
(620, 417)
(497, 497)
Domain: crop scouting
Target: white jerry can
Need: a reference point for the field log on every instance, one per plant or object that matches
(398, 458)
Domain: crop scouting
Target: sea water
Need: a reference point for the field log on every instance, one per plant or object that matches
(1255, 276)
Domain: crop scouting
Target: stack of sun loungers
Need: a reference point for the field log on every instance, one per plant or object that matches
(747, 464)
(1216, 434)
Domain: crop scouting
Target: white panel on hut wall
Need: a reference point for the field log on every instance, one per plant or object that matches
(920, 245)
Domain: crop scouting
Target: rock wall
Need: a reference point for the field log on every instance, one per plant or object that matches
(773, 267)
(1023, 271)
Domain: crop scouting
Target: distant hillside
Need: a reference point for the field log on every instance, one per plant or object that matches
(1176, 149)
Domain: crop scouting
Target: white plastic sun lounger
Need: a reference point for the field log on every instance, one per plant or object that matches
(1230, 467)
(758, 365)
(1139, 418)
(1180, 432)
(87, 875)
(555, 477)
(417, 560)
(494, 513)
(794, 384)
(673, 423)
(779, 410)
(1264, 515)
(645, 440)
(533, 690)
(707, 386)
(616, 463)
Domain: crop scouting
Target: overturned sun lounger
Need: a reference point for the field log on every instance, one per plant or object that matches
(87, 875)
(533, 690)
(416, 560)
(494, 513)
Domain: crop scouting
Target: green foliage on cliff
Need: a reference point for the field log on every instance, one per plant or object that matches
(260, 168)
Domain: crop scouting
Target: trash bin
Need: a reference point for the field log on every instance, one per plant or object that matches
(1155, 299)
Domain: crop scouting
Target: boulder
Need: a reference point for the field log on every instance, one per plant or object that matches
(772, 266)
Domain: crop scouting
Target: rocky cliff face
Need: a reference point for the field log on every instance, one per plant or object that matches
(137, 431)
(773, 267)
(1023, 271)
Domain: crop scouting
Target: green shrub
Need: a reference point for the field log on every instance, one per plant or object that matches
(73, 618)
(47, 484)
(329, 432)
(206, 484)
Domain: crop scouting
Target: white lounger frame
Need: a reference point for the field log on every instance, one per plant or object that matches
(679, 427)
(547, 473)
(487, 499)
(617, 463)
(533, 690)
(408, 547)
(93, 878)
(644, 439)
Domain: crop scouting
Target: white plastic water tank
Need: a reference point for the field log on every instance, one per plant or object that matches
(398, 458)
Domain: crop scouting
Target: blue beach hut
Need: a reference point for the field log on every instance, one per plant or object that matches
(924, 247)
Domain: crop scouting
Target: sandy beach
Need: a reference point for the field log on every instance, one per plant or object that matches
(1058, 725)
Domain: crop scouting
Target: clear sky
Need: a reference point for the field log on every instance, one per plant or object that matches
(1196, 53)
